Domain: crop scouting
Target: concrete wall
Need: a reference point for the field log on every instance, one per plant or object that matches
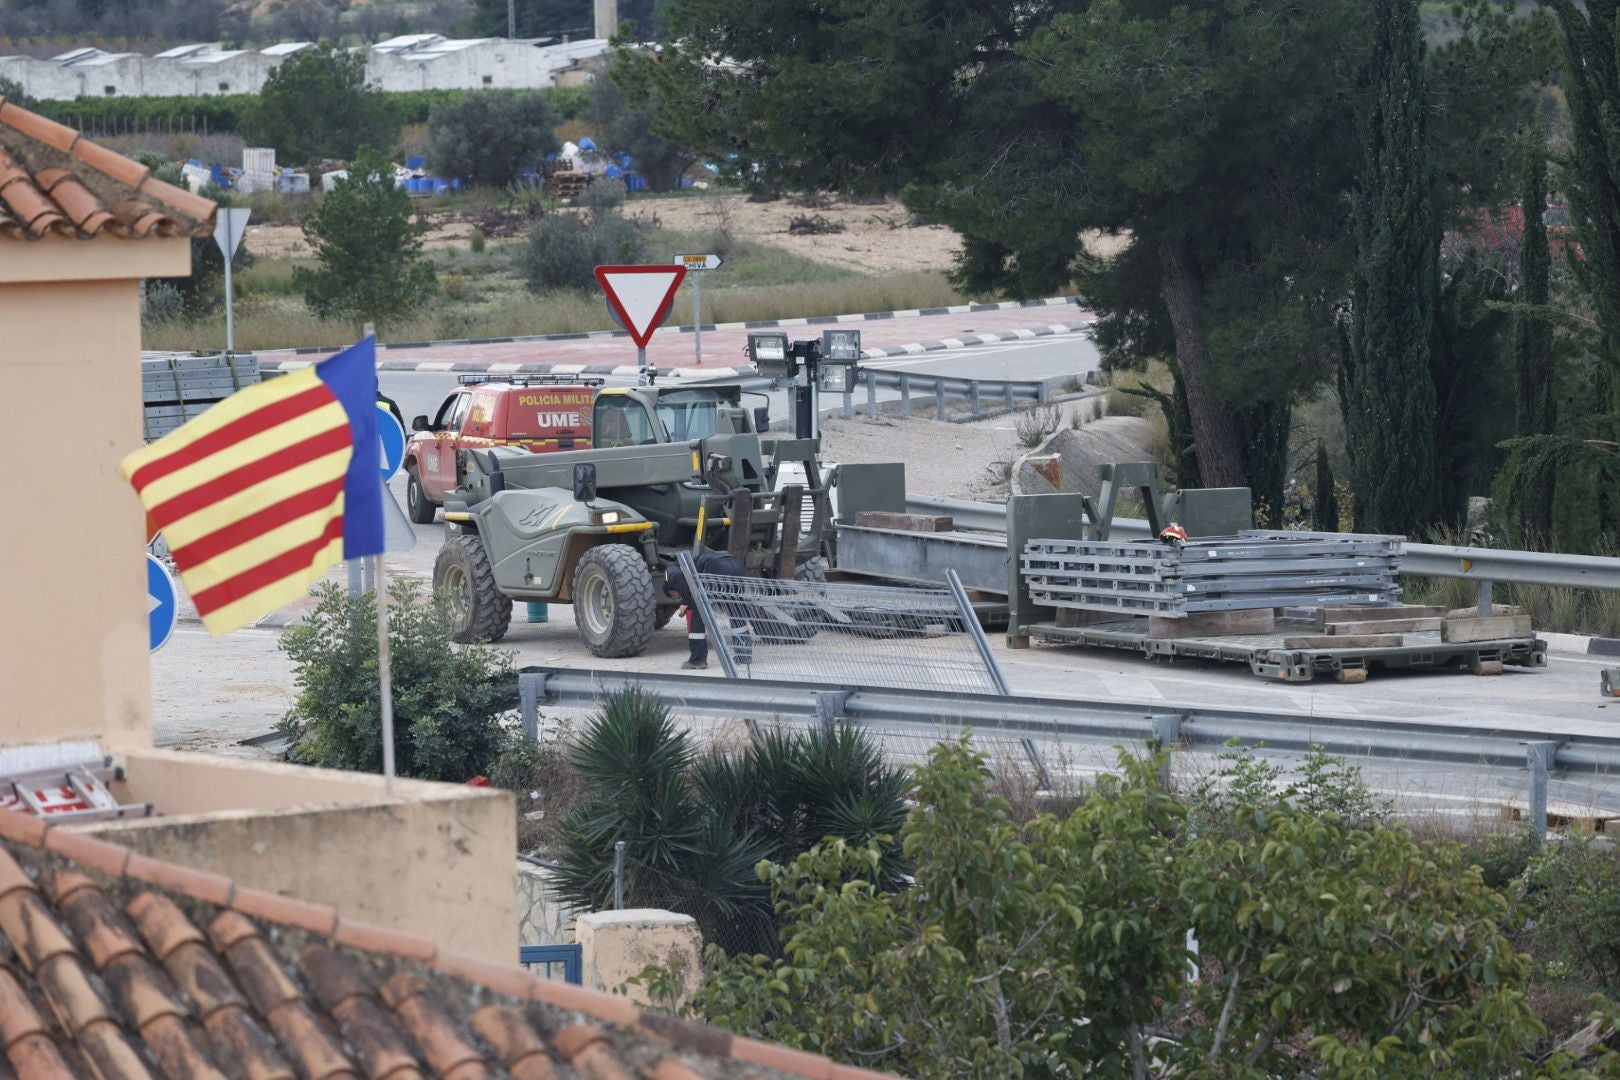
(73, 645)
(435, 859)
(616, 946)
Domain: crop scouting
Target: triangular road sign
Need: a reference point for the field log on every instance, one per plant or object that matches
(640, 296)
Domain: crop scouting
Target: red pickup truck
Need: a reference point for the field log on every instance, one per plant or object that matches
(540, 413)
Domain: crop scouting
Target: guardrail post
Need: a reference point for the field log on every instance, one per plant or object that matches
(530, 687)
(973, 397)
(829, 708)
(849, 404)
(871, 397)
(1043, 392)
(905, 396)
(1007, 396)
(1486, 606)
(1540, 757)
(1166, 736)
(939, 399)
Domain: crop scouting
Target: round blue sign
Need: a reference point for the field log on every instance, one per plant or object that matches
(392, 437)
(161, 609)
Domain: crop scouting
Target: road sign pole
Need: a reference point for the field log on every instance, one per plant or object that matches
(230, 310)
(697, 316)
(385, 677)
(641, 363)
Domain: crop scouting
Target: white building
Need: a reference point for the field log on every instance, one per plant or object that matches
(412, 62)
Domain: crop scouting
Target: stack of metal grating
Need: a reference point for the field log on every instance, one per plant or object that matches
(1255, 569)
(176, 387)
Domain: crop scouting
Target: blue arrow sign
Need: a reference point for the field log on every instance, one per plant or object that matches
(392, 437)
(161, 609)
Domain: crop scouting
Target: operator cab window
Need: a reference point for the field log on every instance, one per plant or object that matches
(688, 415)
(622, 422)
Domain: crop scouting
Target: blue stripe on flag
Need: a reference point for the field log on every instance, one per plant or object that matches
(351, 375)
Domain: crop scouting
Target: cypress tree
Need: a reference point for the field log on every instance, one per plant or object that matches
(1325, 514)
(1532, 334)
(1389, 397)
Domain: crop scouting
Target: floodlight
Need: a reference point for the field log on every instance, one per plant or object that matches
(772, 348)
(770, 355)
(841, 345)
(837, 377)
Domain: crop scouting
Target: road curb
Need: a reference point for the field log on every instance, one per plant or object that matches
(917, 348)
(588, 335)
(1580, 644)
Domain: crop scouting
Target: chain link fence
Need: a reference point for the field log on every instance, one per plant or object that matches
(846, 635)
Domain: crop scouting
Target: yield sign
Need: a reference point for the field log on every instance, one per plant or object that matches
(640, 296)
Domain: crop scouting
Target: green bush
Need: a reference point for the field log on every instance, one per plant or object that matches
(563, 250)
(452, 705)
(1571, 896)
(695, 828)
(316, 105)
(1330, 944)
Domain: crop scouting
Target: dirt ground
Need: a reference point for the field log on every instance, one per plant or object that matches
(875, 236)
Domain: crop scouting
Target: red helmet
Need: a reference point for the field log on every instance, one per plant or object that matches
(1173, 534)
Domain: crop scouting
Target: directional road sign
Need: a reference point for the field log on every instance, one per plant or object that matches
(392, 437)
(161, 609)
(640, 296)
(699, 262)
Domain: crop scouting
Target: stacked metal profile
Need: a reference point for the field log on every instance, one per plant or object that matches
(1255, 569)
(176, 387)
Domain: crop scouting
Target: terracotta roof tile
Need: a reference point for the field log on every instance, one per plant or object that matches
(278, 988)
(54, 180)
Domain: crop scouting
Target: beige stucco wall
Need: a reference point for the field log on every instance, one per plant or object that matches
(616, 946)
(73, 645)
(434, 859)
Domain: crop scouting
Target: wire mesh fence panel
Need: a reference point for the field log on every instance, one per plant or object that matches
(842, 635)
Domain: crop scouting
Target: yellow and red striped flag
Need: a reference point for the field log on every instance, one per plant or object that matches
(264, 491)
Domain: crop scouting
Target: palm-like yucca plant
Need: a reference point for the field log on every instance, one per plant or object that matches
(695, 827)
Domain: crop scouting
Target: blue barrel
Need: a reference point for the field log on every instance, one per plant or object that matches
(538, 612)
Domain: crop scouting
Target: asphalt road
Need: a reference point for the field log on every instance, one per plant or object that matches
(421, 392)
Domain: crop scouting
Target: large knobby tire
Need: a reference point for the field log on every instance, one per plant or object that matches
(416, 501)
(479, 612)
(615, 604)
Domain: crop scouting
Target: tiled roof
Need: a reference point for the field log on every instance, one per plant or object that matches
(53, 179)
(119, 966)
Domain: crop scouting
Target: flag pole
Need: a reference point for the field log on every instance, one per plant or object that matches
(384, 675)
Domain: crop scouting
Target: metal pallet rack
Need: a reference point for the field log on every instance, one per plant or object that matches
(1249, 571)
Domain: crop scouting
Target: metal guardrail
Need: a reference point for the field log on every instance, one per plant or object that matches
(1023, 717)
(1482, 565)
(1006, 394)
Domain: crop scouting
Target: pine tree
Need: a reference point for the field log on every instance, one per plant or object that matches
(1389, 397)
(1532, 334)
(1325, 512)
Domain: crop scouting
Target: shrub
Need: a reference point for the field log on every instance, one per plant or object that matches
(1033, 425)
(490, 137)
(1326, 947)
(695, 828)
(563, 250)
(1572, 899)
(452, 705)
